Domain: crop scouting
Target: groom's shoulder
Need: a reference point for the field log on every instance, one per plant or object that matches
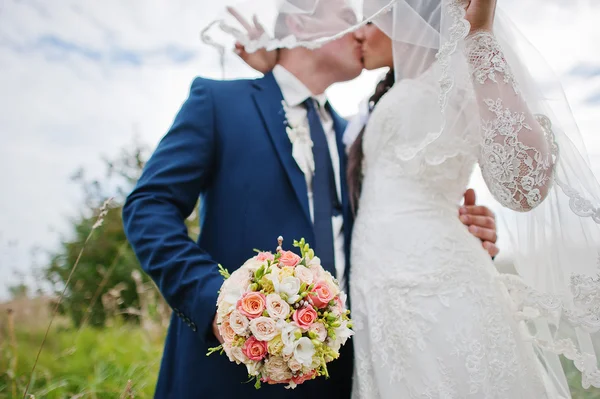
(221, 85)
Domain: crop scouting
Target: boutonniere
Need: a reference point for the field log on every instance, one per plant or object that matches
(302, 144)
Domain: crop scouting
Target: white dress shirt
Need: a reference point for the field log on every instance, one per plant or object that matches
(294, 94)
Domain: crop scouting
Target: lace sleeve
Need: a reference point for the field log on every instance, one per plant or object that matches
(516, 152)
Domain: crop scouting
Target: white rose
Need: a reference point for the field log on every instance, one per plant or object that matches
(315, 261)
(315, 267)
(254, 368)
(229, 351)
(277, 369)
(238, 355)
(239, 323)
(288, 337)
(290, 286)
(304, 274)
(223, 311)
(253, 264)
(263, 328)
(304, 351)
(294, 365)
(277, 307)
(320, 330)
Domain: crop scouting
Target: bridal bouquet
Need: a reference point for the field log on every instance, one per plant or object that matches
(282, 316)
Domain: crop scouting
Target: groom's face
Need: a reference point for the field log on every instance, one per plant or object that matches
(342, 56)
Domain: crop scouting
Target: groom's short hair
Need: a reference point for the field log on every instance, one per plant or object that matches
(311, 9)
(282, 28)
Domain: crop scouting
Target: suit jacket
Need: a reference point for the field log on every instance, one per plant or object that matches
(228, 146)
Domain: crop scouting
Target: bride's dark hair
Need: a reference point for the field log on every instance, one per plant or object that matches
(355, 154)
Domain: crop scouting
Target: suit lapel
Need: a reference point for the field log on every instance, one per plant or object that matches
(268, 99)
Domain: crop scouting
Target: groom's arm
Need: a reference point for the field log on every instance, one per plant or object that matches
(163, 198)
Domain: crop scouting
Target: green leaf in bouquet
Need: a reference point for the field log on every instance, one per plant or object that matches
(257, 384)
(215, 349)
(267, 285)
(331, 333)
(224, 272)
(259, 273)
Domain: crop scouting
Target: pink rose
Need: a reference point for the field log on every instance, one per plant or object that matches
(304, 377)
(324, 294)
(252, 304)
(264, 256)
(226, 331)
(288, 258)
(305, 317)
(254, 349)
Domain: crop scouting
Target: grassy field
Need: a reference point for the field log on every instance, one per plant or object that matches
(119, 361)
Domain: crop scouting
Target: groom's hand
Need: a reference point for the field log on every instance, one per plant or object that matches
(216, 331)
(481, 222)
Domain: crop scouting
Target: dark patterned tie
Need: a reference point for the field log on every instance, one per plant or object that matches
(325, 198)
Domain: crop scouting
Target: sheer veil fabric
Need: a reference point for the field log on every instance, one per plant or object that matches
(514, 113)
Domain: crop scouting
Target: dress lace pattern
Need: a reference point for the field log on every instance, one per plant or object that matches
(433, 317)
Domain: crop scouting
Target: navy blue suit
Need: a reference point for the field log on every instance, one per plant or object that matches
(228, 146)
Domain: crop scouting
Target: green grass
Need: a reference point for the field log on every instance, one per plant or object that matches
(96, 363)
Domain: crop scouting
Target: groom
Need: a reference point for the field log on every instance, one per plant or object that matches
(228, 145)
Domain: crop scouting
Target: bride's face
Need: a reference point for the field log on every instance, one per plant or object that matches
(376, 47)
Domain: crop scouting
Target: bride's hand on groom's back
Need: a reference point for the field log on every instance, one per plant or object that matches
(481, 222)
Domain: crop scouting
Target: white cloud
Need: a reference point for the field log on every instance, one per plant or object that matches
(78, 75)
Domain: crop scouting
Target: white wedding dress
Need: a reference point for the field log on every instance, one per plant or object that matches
(431, 314)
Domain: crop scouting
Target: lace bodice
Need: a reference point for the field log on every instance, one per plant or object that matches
(513, 147)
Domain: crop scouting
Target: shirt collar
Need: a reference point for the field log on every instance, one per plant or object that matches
(294, 91)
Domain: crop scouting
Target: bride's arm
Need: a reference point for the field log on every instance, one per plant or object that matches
(516, 158)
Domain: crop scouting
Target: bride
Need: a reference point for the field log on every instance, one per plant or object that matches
(433, 317)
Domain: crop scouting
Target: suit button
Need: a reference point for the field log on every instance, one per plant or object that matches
(194, 329)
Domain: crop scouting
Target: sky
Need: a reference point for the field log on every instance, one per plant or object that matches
(79, 78)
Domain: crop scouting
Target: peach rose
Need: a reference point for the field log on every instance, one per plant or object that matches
(294, 365)
(304, 274)
(226, 331)
(305, 317)
(299, 379)
(324, 294)
(288, 258)
(264, 256)
(254, 349)
(277, 307)
(252, 304)
(263, 328)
